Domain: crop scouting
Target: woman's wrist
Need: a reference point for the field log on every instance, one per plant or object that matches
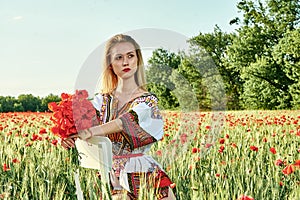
(96, 131)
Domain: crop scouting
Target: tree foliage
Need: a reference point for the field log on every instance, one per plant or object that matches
(258, 64)
(26, 102)
(158, 74)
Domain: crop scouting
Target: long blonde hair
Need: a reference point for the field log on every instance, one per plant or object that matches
(109, 79)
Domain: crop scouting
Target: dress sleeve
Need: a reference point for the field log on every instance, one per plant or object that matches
(142, 124)
(101, 104)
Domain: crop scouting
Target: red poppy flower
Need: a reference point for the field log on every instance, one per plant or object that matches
(5, 167)
(288, 169)
(183, 138)
(54, 142)
(159, 153)
(195, 150)
(15, 160)
(244, 197)
(72, 113)
(254, 148)
(222, 141)
(297, 164)
(34, 137)
(273, 150)
(221, 149)
(42, 131)
(233, 145)
(280, 183)
(278, 162)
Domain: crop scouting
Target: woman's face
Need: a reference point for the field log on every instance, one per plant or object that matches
(124, 60)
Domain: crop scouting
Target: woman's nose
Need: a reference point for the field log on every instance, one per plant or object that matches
(125, 61)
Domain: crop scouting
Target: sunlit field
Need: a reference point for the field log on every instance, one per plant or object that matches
(230, 155)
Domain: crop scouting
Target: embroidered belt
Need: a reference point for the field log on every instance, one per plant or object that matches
(128, 155)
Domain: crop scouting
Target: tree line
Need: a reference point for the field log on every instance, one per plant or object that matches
(255, 67)
(26, 102)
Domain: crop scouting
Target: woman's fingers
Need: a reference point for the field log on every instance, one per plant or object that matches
(114, 180)
(68, 142)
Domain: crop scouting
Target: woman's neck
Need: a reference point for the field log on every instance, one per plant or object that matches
(126, 86)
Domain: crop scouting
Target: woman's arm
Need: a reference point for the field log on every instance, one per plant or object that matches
(110, 127)
(113, 126)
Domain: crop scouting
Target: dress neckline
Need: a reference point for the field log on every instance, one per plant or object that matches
(115, 103)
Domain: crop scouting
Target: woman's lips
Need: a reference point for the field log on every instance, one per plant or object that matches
(126, 70)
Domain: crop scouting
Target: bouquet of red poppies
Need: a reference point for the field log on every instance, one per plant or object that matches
(72, 114)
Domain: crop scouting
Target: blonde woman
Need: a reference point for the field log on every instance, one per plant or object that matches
(129, 116)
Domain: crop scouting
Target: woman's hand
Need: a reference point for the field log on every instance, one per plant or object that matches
(85, 134)
(114, 181)
(69, 142)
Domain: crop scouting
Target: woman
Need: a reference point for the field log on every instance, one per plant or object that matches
(129, 116)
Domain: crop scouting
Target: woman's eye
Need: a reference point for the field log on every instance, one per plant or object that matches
(130, 55)
(118, 57)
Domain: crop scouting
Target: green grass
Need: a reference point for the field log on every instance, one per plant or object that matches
(45, 171)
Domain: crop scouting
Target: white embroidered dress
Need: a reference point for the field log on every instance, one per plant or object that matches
(142, 126)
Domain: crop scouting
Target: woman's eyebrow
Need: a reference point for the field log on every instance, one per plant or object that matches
(129, 52)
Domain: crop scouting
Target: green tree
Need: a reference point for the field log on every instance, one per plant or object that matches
(46, 100)
(30, 102)
(287, 55)
(7, 103)
(158, 73)
(251, 55)
(216, 44)
(18, 107)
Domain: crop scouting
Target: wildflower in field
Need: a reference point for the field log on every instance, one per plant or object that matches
(159, 153)
(54, 142)
(278, 162)
(281, 183)
(34, 137)
(5, 167)
(15, 160)
(222, 141)
(25, 135)
(42, 131)
(273, 150)
(244, 197)
(297, 164)
(183, 138)
(233, 145)
(288, 169)
(254, 148)
(265, 139)
(221, 149)
(195, 150)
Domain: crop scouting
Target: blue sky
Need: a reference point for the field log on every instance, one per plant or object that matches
(45, 42)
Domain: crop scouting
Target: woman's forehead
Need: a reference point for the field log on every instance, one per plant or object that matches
(122, 48)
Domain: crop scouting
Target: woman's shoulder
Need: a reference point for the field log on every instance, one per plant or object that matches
(147, 98)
